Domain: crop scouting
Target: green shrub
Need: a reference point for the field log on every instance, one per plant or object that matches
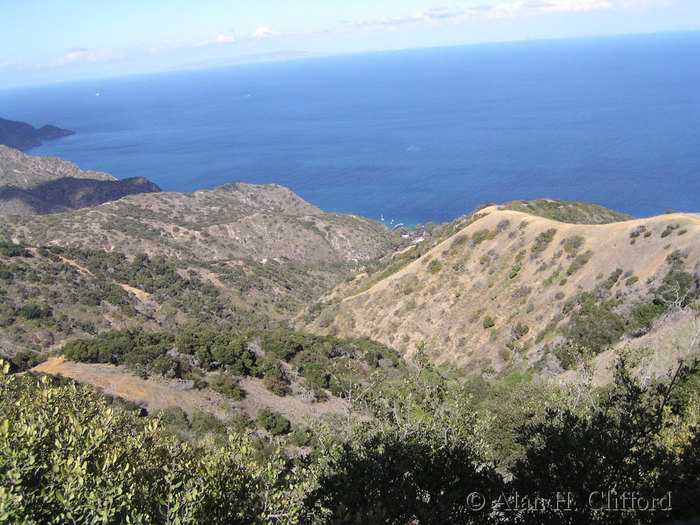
(227, 386)
(6, 273)
(639, 230)
(276, 380)
(434, 267)
(514, 271)
(488, 322)
(69, 456)
(595, 327)
(205, 423)
(612, 280)
(13, 250)
(573, 244)
(579, 261)
(23, 360)
(520, 330)
(459, 241)
(174, 416)
(274, 422)
(543, 240)
(631, 280)
(483, 235)
(34, 311)
(642, 316)
(670, 228)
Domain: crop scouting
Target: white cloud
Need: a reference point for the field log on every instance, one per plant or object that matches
(521, 7)
(575, 5)
(435, 13)
(159, 49)
(80, 55)
(262, 32)
(506, 10)
(10, 65)
(219, 40)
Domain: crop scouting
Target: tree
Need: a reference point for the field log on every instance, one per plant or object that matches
(417, 461)
(273, 422)
(631, 441)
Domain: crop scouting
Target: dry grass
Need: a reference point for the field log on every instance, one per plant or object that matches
(444, 304)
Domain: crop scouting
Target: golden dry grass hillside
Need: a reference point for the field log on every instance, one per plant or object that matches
(510, 287)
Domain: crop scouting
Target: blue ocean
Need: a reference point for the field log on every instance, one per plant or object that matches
(413, 135)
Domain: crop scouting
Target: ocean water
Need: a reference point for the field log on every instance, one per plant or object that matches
(416, 135)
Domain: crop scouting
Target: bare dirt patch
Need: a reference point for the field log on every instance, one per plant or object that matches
(157, 395)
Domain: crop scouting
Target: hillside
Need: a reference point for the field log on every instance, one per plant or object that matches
(189, 370)
(508, 287)
(232, 221)
(21, 135)
(43, 185)
(240, 255)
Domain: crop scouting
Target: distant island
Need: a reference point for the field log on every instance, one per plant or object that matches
(22, 136)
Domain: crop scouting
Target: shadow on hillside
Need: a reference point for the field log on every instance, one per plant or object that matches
(68, 193)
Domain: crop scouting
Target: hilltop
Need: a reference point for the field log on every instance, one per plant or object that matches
(21, 135)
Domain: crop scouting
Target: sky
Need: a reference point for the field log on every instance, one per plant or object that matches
(51, 41)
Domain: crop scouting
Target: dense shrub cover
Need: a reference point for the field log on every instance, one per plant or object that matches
(419, 452)
(324, 362)
(67, 457)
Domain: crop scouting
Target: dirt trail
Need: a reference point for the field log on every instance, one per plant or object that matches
(140, 294)
(70, 262)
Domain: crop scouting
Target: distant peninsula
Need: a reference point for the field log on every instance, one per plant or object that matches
(22, 136)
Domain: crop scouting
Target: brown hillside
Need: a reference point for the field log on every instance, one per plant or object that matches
(232, 221)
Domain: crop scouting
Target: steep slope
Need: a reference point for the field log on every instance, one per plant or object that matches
(50, 296)
(509, 287)
(21, 135)
(42, 185)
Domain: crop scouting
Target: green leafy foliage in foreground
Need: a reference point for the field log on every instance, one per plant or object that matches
(419, 452)
(66, 456)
